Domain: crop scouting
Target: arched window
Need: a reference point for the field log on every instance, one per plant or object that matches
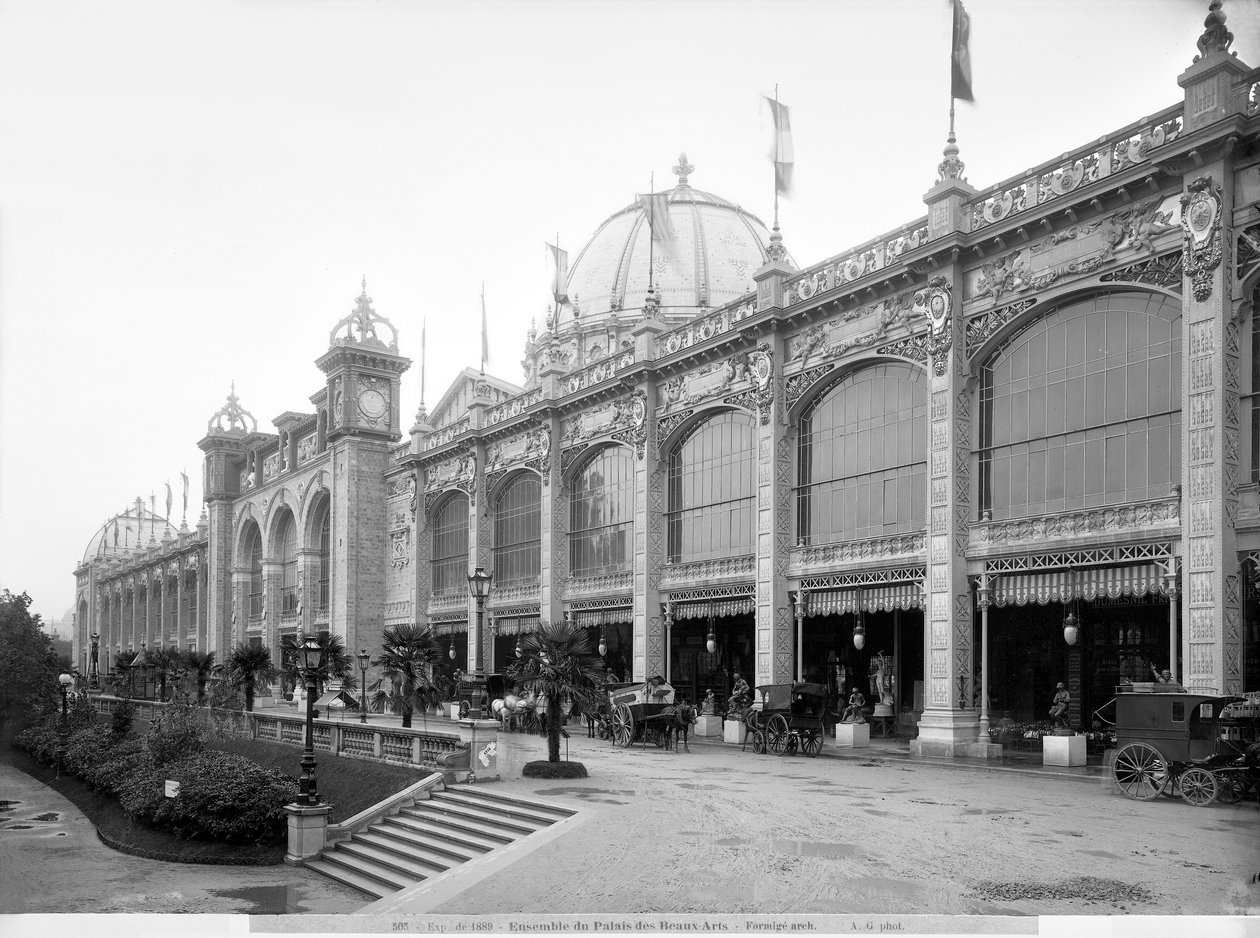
(450, 546)
(862, 457)
(255, 572)
(712, 491)
(325, 558)
(518, 532)
(601, 514)
(287, 547)
(1083, 407)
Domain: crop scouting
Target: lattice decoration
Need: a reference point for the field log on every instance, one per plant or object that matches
(1092, 557)
(863, 578)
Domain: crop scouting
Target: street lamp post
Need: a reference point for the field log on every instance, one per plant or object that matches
(310, 656)
(363, 663)
(479, 586)
(65, 680)
(93, 682)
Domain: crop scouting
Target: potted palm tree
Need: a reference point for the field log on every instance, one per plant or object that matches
(558, 665)
(201, 664)
(248, 667)
(334, 663)
(409, 655)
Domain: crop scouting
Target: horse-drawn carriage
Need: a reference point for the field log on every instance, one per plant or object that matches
(790, 718)
(1199, 746)
(644, 711)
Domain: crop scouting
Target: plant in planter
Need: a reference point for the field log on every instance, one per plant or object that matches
(409, 656)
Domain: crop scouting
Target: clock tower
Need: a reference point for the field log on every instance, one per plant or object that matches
(362, 369)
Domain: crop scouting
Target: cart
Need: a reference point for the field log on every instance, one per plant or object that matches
(790, 718)
(639, 712)
(1180, 743)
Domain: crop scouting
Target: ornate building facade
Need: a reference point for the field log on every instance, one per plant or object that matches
(1030, 416)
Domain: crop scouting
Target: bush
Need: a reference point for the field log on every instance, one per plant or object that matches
(177, 733)
(543, 769)
(120, 724)
(221, 797)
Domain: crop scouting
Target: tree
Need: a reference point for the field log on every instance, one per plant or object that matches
(559, 663)
(164, 664)
(409, 654)
(248, 666)
(120, 678)
(334, 663)
(201, 664)
(28, 663)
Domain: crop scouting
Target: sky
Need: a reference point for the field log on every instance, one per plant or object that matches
(191, 192)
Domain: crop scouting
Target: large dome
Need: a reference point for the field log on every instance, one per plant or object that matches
(716, 249)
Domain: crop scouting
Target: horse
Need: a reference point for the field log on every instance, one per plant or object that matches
(684, 718)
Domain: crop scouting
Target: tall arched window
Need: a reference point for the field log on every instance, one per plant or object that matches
(713, 491)
(601, 514)
(1083, 407)
(255, 572)
(450, 546)
(325, 558)
(287, 555)
(518, 532)
(862, 457)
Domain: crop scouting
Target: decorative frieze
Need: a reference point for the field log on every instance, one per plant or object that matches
(1159, 515)
(514, 595)
(831, 339)
(678, 574)
(861, 261)
(626, 413)
(608, 583)
(704, 328)
(306, 449)
(985, 326)
(597, 373)
(446, 434)
(512, 407)
(899, 547)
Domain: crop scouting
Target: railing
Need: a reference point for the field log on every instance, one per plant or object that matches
(725, 568)
(704, 328)
(446, 434)
(895, 546)
(1050, 181)
(399, 745)
(854, 264)
(512, 407)
(602, 370)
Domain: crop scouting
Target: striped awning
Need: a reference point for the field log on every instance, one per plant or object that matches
(1062, 586)
(717, 608)
(515, 625)
(450, 628)
(885, 598)
(588, 617)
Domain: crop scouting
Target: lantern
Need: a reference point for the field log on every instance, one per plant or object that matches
(603, 645)
(859, 636)
(1071, 629)
(710, 643)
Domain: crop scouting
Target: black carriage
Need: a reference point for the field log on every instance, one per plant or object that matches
(643, 711)
(1199, 746)
(790, 718)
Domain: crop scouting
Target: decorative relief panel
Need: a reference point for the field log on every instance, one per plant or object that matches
(705, 383)
(625, 413)
(597, 373)
(902, 547)
(512, 407)
(1201, 220)
(836, 337)
(306, 448)
(703, 328)
(983, 327)
(399, 554)
(446, 434)
(681, 574)
(1123, 518)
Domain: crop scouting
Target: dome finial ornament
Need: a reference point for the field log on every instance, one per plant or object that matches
(951, 167)
(1215, 38)
(776, 251)
(363, 320)
(234, 414)
(682, 169)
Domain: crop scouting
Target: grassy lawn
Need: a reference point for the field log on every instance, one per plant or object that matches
(350, 785)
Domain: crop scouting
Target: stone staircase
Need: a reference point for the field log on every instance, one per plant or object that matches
(432, 836)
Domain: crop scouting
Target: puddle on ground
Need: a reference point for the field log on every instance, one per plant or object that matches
(19, 827)
(991, 811)
(1102, 853)
(8, 805)
(730, 842)
(47, 816)
(267, 900)
(589, 794)
(810, 848)
(877, 812)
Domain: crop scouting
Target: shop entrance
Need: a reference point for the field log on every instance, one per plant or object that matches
(831, 658)
(694, 670)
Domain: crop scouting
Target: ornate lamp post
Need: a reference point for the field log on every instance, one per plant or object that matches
(479, 586)
(65, 681)
(310, 655)
(363, 657)
(93, 682)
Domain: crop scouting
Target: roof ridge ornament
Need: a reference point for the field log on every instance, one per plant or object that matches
(363, 319)
(681, 169)
(951, 167)
(234, 414)
(1215, 38)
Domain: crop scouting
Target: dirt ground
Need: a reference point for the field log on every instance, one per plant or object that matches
(717, 830)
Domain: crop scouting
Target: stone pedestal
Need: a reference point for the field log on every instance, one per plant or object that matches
(853, 735)
(708, 724)
(482, 736)
(1063, 750)
(307, 827)
(452, 710)
(733, 731)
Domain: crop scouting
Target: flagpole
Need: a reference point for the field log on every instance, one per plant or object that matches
(776, 156)
(651, 227)
(483, 328)
(424, 326)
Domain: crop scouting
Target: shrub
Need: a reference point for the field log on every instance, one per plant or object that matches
(176, 734)
(87, 749)
(545, 769)
(121, 762)
(120, 724)
(221, 797)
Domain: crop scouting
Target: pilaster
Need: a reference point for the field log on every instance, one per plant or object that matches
(651, 634)
(774, 619)
(553, 544)
(479, 548)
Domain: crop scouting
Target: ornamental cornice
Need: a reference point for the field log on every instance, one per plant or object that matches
(448, 601)
(901, 548)
(675, 575)
(513, 595)
(1144, 518)
(445, 435)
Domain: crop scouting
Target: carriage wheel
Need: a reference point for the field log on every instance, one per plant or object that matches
(792, 745)
(759, 742)
(1198, 787)
(622, 726)
(1229, 788)
(1141, 771)
(777, 734)
(811, 742)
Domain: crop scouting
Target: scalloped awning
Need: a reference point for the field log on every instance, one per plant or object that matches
(717, 608)
(589, 617)
(1062, 586)
(868, 599)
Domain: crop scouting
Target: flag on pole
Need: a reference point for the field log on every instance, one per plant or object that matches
(168, 500)
(115, 530)
(960, 80)
(184, 476)
(656, 206)
(559, 274)
(485, 339)
(783, 156)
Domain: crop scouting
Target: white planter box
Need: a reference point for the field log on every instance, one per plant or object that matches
(733, 731)
(853, 735)
(454, 710)
(708, 724)
(1063, 750)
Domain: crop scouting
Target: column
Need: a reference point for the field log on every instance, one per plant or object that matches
(479, 552)
(651, 619)
(308, 590)
(554, 523)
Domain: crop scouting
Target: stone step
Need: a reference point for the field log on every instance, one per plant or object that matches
(391, 880)
(413, 846)
(479, 818)
(458, 839)
(391, 855)
(461, 826)
(345, 875)
(537, 815)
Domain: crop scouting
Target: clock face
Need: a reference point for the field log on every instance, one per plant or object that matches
(372, 403)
